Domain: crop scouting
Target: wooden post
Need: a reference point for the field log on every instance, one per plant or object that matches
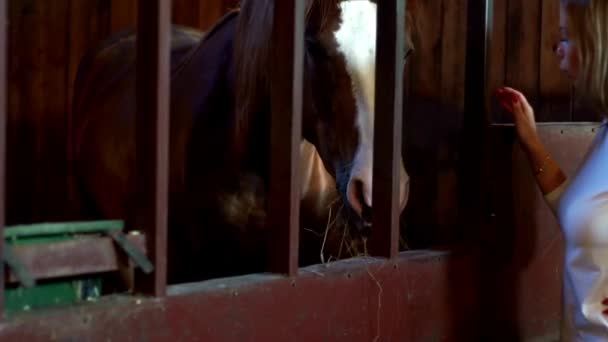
(3, 115)
(390, 54)
(286, 134)
(153, 58)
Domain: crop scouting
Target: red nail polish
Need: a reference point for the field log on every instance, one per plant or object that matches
(605, 301)
(605, 312)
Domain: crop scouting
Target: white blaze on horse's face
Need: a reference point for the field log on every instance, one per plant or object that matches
(356, 38)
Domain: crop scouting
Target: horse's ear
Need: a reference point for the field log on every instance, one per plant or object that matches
(321, 15)
(411, 27)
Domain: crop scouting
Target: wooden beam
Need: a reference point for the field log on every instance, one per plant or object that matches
(390, 53)
(286, 134)
(153, 58)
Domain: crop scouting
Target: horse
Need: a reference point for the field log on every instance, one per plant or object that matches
(219, 132)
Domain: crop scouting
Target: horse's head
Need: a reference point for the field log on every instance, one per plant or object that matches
(339, 88)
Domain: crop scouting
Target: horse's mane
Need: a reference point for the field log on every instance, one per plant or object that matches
(252, 55)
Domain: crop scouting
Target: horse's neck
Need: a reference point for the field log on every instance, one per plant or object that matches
(203, 103)
(196, 99)
(205, 69)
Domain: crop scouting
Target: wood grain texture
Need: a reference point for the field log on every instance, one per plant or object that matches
(433, 118)
(89, 23)
(554, 86)
(123, 14)
(452, 96)
(453, 53)
(523, 51)
(426, 75)
(46, 42)
(422, 122)
(496, 33)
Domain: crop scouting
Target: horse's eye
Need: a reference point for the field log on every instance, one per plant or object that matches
(315, 48)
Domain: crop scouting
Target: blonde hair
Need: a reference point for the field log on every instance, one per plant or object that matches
(588, 28)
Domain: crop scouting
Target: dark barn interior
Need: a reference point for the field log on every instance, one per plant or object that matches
(478, 243)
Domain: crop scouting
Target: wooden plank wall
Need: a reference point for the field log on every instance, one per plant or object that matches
(46, 41)
(521, 55)
(434, 105)
(520, 39)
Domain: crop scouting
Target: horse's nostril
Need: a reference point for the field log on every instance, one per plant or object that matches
(366, 210)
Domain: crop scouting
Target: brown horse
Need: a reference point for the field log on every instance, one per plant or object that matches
(219, 145)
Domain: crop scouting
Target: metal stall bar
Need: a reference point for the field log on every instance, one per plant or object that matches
(153, 54)
(286, 134)
(471, 205)
(3, 114)
(390, 54)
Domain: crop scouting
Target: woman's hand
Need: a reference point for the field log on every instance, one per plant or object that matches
(547, 172)
(605, 303)
(523, 115)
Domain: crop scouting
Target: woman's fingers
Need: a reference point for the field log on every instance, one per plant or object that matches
(504, 99)
(505, 94)
(513, 101)
(506, 105)
(512, 94)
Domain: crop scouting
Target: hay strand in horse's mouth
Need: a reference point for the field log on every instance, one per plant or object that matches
(337, 235)
(338, 240)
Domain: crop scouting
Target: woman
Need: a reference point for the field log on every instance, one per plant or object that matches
(580, 202)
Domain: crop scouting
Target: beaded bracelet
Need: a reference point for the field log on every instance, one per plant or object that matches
(541, 168)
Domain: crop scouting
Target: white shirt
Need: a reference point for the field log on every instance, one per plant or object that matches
(581, 206)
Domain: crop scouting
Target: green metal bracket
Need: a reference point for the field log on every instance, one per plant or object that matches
(47, 232)
(20, 271)
(62, 228)
(139, 258)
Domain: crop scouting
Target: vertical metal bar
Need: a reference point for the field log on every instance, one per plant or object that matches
(390, 54)
(286, 134)
(3, 115)
(475, 118)
(153, 39)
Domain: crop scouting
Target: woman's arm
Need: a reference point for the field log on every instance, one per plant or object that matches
(549, 176)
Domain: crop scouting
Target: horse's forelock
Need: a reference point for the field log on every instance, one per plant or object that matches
(322, 15)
